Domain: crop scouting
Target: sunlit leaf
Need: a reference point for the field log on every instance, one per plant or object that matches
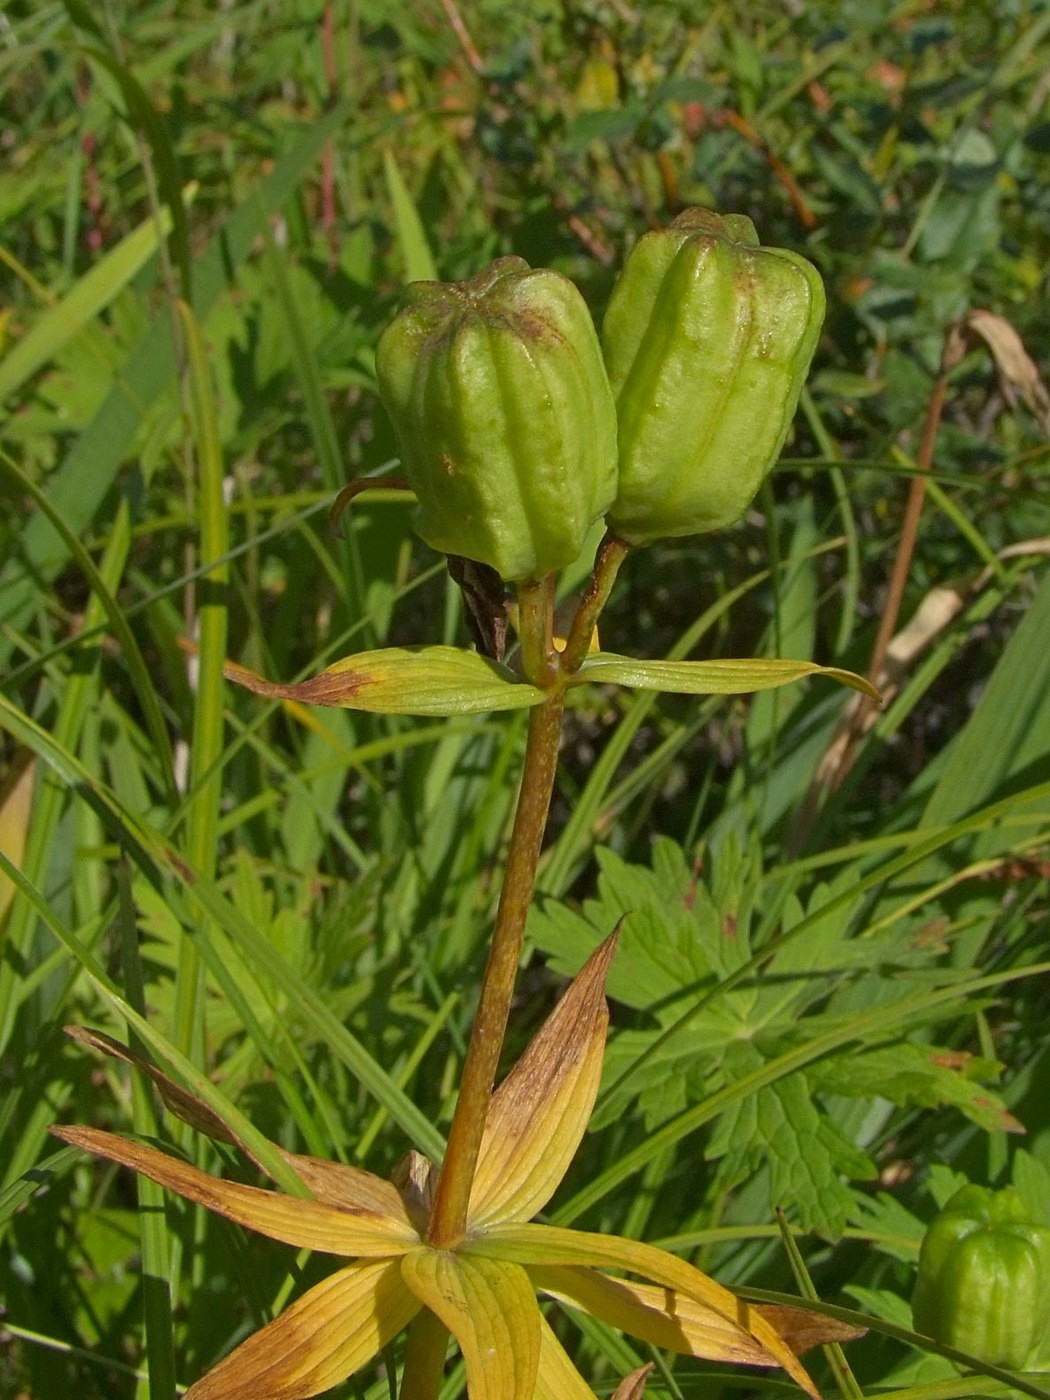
(16, 798)
(742, 677)
(325, 1336)
(335, 1183)
(547, 1244)
(666, 1319)
(306, 1224)
(489, 1307)
(558, 1378)
(539, 1114)
(404, 681)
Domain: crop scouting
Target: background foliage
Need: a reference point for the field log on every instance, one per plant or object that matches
(823, 1001)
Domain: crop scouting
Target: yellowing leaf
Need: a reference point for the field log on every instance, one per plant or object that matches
(404, 681)
(708, 677)
(306, 1224)
(338, 1185)
(489, 1307)
(547, 1244)
(558, 1378)
(539, 1113)
(666, 1319)
(325, 1336)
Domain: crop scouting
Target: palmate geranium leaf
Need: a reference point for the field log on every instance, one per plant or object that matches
(684, 929)
(927, 1076)
(782, 1128)
(688, 925)
(673, 939)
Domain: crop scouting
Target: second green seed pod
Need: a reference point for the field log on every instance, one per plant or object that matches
(707, 341)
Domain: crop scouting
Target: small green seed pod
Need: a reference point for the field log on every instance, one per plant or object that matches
(984, 1278)
(503, 414)
(707, 340)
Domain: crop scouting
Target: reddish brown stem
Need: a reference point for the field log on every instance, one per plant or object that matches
(449, 1216)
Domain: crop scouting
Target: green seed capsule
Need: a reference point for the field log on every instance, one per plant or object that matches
(503, 415)
(984, 1278)
(707, 340)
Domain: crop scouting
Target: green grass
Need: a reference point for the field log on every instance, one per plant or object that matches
(830, 997)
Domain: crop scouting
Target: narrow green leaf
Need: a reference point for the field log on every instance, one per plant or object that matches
(1006, 736)
(742, 677)
(847, 1383)
(419, 260)
(206, 748)
(91, 294)
(145, 117)
(115, 616)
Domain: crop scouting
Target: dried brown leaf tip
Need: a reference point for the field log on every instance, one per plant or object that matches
(632, 1387)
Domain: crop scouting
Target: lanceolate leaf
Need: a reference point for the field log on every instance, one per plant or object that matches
(405, 681)
(558, 1378)
(320, 1340)
(489, 1307)
(335, 1183)
(708, 677)
(540, 1112)
(547, 1244)
(666, 1319)
(305, 1224)
(674, 1322)
(632, 1387)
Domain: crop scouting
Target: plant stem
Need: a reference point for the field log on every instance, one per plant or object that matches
(539, 660)
(449, 1215)
(611, 554)
(424, 1369)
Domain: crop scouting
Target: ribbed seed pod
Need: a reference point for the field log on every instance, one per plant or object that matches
(984, 1278)
(503, 414)
(707, 341)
